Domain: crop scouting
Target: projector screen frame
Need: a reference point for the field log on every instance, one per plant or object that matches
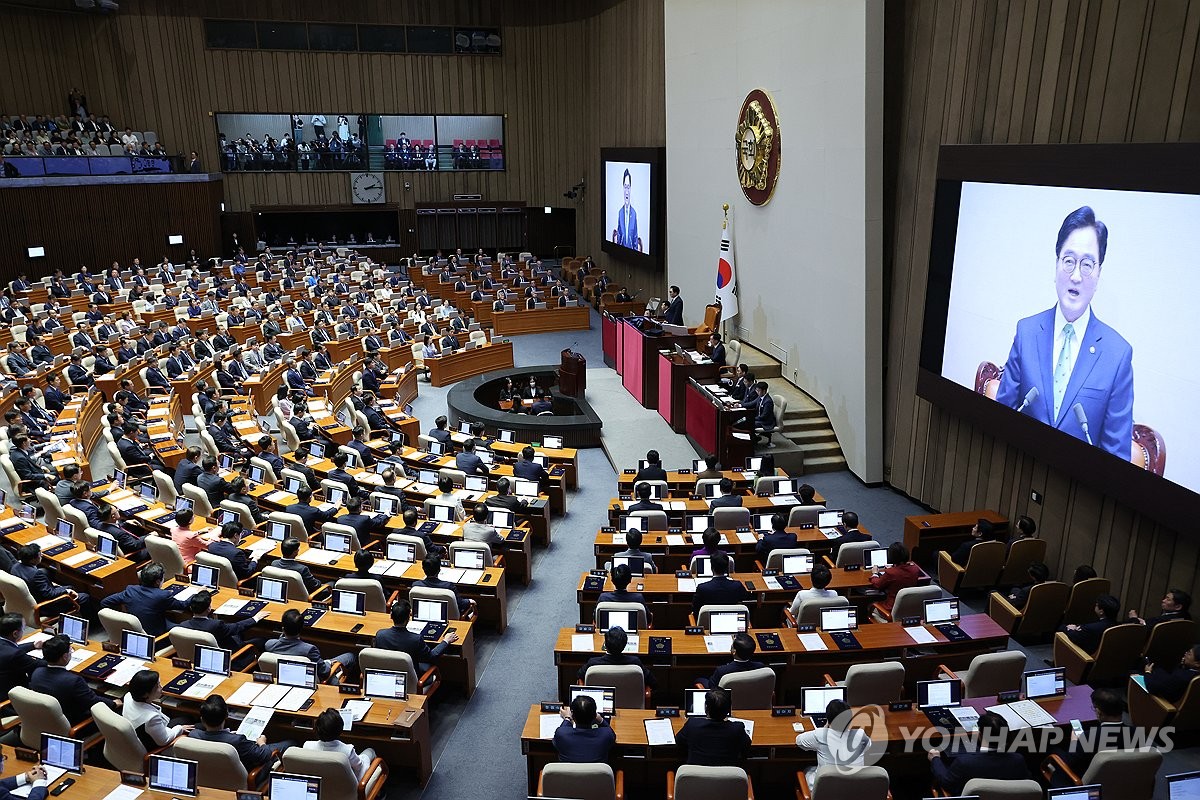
(656, 157)
(1171, 168)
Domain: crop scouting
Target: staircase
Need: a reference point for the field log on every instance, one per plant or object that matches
(805, 442)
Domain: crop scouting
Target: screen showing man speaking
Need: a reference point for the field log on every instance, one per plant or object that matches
(1075, 307)
(627, 211)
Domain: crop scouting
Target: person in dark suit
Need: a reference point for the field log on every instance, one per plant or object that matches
(981, 531)
(626, 232)
(951, 771)
(363, 524)
(400, 639)
(210, 480)
(290, 644)
(339, 474)
(653, 471)
(133, 453)
(716, 349)
(313, 516)
(28, 568)
(1172, 683)
(1019, 595)
(1087, 636)
(69, 688)
(189, 469)
(584, 737)
(728, 498)
(720, 589)
(673, 315)
(226, 547)
(35, 777)
(227, 634)
(238, 494)
(713, 740)
(288, 549)
(431, 565)
(213, 715)
(504, 498)
(775, 539)
(365, 457)
(16, 664)
(83, 501)
(1109, 731)
(225, 442)
(1081, 368)
(131, 545)
(852, 534)
(26, 467)
(439, 432)
(620, 576)
(764, 415)
(53, 395)
(529, 469)
(743, 651)
(77, 375)
(615, 640)
(147, 601)
(644, 503)
(1176, 604)
(469, 462)
(155, 379)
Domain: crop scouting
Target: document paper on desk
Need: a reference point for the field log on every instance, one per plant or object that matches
(270, 695)
(1024, 714)
(295, 699)
(721, 643)
(747, 537)
(548, 724)
(52, 774)
(659, 732)
(920, 634)
(204, 687)
(812, 641)
(676, 540)
(619, 538)
(687, 584)
(245, 694)
(230, 608)
(260, 549)
(255, 722)
(79, 558)
(582, 643)
(122, 792)
(315, 555)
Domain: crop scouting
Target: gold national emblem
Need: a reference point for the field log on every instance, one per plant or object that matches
(757, 145)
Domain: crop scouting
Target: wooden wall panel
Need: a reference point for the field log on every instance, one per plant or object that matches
(562, 82)
(1054, 71)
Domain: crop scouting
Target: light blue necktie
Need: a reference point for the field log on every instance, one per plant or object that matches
(1062, 370)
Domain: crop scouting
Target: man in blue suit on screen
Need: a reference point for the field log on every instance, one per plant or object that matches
(1067, 368)
(626, 233)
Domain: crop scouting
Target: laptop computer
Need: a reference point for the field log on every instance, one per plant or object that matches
(475, 483)
(213, 660)
(384, 683)
(387, 504)
(437, 448)
(1039, 683)
(727, 622)
(500, 518)
(441, 513)
(631, 523)
(206, 575)
(226, 461)
(703, 566)
(464, 427)
(762, 522)
(62, 752)
(337, 542)
(119, 478)
(278, 531)
(65, 528)
(552, 442)
(291, 484)
(604, 696)
(507, 436)
(525, 488)
(401, 551)
(939, 694)
(351, 460)
(467, 559)
(876, 558)
(626, 620)
(814, 700)
(427, 477)
(840, 618)
(801, 564)
(137, 645)
(943, 614)
(699, 523)
(107, 547)
(830, 521)
(272, 589)
(229, 515)
(335, 496)
(316, 450)
(149, 492)
(636, 565)
(345, 601)
(426, 611)
(693, 701)
(296, 673)
(1092, 791)
(711, 490)
(284, 786)
(74, 628)
(256, 475)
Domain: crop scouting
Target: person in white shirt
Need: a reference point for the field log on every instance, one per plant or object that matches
(147, 718)
(329, 729)
(835, 745)
(443, 311)
(821, 576)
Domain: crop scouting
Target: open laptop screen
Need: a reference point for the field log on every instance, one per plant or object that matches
(1092, 792)
(797, 564)
(815, 699)
(625, 620)
(842, 618)
(603, 695)
(384, 683)
(206, 575)
(699, 523)
(939, 694)
(1040, 683)
(631, 523)
(349, 602)
(297, 673)
(467, 559)
(475, 483)
(137, 645)
(273, 589)
(74, 628)
(107, 546)
(524, 488)
(944, 610)
(829, 519)
(401, 551)
(293, 787)
(214, 660)
(727, 622)
(637, 566)
(62, 752)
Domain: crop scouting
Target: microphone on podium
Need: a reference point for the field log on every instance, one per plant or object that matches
(1081, 418)
(1030, 398)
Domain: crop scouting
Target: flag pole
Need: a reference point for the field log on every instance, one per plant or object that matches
(724, 322)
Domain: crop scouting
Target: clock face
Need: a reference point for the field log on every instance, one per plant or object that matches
(366, 187)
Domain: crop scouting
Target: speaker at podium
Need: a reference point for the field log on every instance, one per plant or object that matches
(572, 374)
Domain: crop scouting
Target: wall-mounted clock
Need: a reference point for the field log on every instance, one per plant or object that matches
(367, 187)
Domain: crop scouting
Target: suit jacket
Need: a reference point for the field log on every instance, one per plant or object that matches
(227, 634)
(133, 453)
(588, 745)
(471, 464)
(846, 538)
(27, 469)
(765, 416)
(674, 313)
(243, 567)
(714, 743)
(773, 540)
(310, 581)
(404, 641)
(650, 473)
(252, 754)
(531, 470)
(300, 649)
(364, 524)
(1101, 382)
(214, 486)
(718, 355)
(56, 399)
(645, 505)
(186, 472)
(627, 232)
(1089, 634)
(312, 516)
(719, 590)
(71, 690)
(953, 772)
(726, 501)
(16, 665)
(90, 510)
(39, 583)
(147, 603)
(1170, 684)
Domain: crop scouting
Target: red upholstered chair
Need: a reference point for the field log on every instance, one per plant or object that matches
(1149, 450)
(987, 379)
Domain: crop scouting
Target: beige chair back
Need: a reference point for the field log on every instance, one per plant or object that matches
(458, 476)
(122, 747)
(627, 681)
(776, 558)
(662, 487)
(417, 543)
(1081, 608)
(657, 519)
(1168, 641)
(863, 783)
(39, 713)
(345, 530)
(376, 658)
(874, 684)
(245, 516)
(376, 600)
(184, 640)
(700, 484)
(804, 515)
(637, 608)
(296, 527)
(1043, 609)
(910, 602)
(1126, 774)
(810, 609)
(296, 590)
(217, 763)
(752, 689)
(1006, 789)
(709, 610)
(983, 566)
(338, 781)
(19, 600)
(269, 662)
(117, 622)
(199, 500)
(166, 552)
(226, 577)
(1021, 554)
(441, 595)
(53, 509)
(79, 519)
(694, 782)
(992, 673)
(1119, 654)
(166, 488)
(268, 471)
(728, 519)
(852, 552)
(578, 781)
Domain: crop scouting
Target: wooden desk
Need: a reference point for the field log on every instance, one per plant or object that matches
(460, 364)
(262, 387)
(794, 666)
(925, 534)
(674, 370)
(686, 507)
(111, 578)
(682, 482)
(541, 320)
(95, 782)
(774, 758)
(712, 426)
(638, 363)
(671, 557)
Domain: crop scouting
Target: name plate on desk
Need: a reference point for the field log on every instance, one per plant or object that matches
(607, 529)
(666, 711)
(910, 622)
(1009, 697)
(685, 472)
(770, 573)
(244, 592)
(181, 663)
(585, 628)
(852, 568)
(263, 677)
(783, 711)
(551, 708)
(598, 573)
(806, 628)
(694, 630)
(682, 573)
(349, 688)
(110, 647)
(629, 472)
(24, 754)
(903, 705)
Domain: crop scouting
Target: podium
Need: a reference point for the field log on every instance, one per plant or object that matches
(572, 374)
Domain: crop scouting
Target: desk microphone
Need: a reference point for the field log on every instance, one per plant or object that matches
(1029, 400)
(1081, 418)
